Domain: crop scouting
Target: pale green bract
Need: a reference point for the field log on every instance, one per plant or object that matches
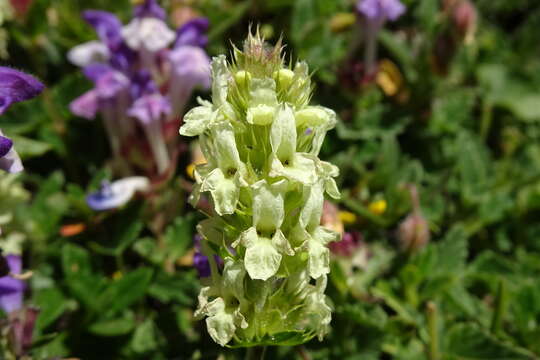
(261, 139)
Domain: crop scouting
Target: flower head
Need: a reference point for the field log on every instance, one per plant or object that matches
(267, 188)
(141, 83)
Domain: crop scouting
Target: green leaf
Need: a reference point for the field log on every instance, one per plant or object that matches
(51, 303)
(144, 338)
(113, 327)
(179, 288)
(452, 252)
(126, 228)
(28, 148)
(178, 236)
(84, 284)
(75, 261)
(466, 341)
(124, 292)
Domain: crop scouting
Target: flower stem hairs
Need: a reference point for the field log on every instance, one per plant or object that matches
(262, 139)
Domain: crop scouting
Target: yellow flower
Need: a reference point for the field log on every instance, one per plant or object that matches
(378, 207)
(347, 217)
(117, 275)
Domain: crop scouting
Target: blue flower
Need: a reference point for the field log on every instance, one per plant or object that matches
(116, 194)
(11, 289)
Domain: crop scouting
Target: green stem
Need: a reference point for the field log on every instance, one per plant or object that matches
(500, 308)
(433, 331)
(487, 117)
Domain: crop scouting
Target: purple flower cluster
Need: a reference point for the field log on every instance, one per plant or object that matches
(143, 74)
(15, 86)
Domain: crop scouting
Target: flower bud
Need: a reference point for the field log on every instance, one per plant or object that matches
(465, 17)
(284, 78)
(413, 233)
(242, 77)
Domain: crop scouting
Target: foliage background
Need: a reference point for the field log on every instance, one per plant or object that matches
(468, 137)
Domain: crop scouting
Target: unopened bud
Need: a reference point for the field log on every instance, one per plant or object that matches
(242, 77)
(464, 16)
(348, 244)
(413, 233)
(284, 78)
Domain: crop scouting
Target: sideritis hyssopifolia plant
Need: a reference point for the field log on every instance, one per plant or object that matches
(262, 139)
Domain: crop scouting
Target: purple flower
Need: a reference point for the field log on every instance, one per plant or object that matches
(190, 68)
(123, 58)
(192, 33)
(5, 145)
(12, 290)
(9, 159)
(110, 84)
(150, 110)
(106, 25)
(116, 194)
(94, 71)
(150, 8)
(16, 86)
(86, 105)
(381, 9)
(200, 261)
(142, 84)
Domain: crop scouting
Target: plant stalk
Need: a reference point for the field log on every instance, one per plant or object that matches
(433, 330)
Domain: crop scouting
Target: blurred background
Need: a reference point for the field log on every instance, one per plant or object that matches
(438, 145)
